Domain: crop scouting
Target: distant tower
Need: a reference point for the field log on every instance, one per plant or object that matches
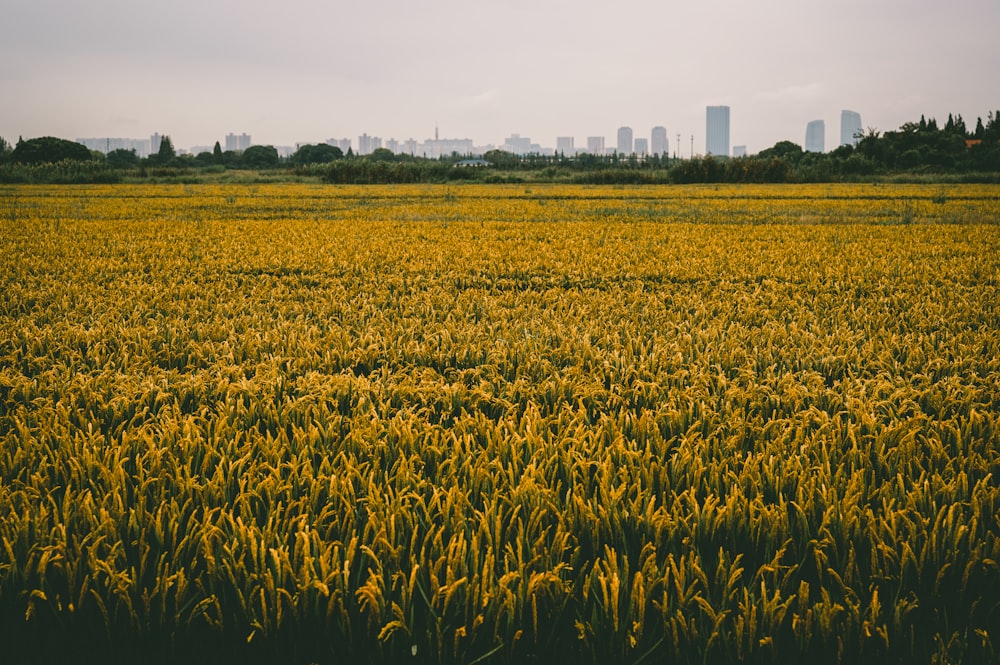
(659, 145)
(237, 143)
(625, 140)
(816, 136)
(717, 130)
(365, 144)
(850, 127)
(595, 145)
(641, 147)
(564, 145)
(154, 143)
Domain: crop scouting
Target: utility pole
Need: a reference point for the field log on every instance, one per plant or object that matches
(692, 146)
(677, 146)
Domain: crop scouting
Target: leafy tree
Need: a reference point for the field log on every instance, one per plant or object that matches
(122, 159)
(166, 151)
(382, 155)
(320, 153)
(217, 154)
(5, 149)
(260, 157)
(49, 149)
(783, 150)
(502, 159)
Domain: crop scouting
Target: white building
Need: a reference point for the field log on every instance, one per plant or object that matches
(660, 144)
(564, 145)
(237, 142)
(106, 145)
(850, 127)
(595, 145)
(625, 141)
(816, 136)
(517, 144)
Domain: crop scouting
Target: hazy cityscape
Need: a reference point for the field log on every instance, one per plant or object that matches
(627, 141)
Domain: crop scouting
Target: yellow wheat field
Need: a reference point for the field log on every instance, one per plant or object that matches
(293, 423)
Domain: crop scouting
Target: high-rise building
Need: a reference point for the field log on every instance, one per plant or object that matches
(660, 144)
(106, 145)
(816, 136)
(343, 144)
(625, 140)
(595, 145)
(850, 127)
(517, 144)
(366, 144)
(717, 130)
(438, 147)
(564, 145)
(641, 146)
(739, 151)
(237, 143)
(154, 143)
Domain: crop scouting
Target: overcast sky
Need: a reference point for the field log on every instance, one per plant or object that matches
(307, 70)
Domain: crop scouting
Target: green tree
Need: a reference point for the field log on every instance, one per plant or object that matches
(49, 149)
(783, 150)
(382, 155)
(260, 157)
(217, 154)
(5, 149)
(122, 159)
(166, 151)
(502, 159)
(320, 153)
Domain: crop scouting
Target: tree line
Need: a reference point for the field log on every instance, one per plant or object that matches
(920, 149)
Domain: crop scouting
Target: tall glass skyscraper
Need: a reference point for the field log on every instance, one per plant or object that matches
(816, 136)
(717, 130)
(850, 127)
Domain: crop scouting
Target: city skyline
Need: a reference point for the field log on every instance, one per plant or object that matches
(627, 141)
(303, 71)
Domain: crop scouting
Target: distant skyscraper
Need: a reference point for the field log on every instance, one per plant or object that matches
(237, 143)
(517, 144)
(595, 145)
(365, 146)
(816, 136)
(564, 144)
(850, 127)
(717, 130)
(625, 140)
(660, 144)
(106, 145)
(739, 151)
(641, 146)
(154, 143)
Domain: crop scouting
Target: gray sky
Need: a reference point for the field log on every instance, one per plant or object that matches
(308, 70)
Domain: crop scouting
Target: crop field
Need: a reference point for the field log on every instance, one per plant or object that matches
(500, 424)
